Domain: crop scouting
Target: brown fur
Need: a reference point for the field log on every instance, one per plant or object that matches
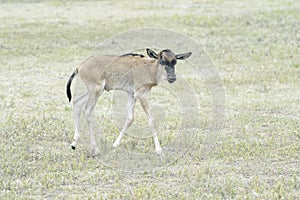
(120, 72)
(132, 73)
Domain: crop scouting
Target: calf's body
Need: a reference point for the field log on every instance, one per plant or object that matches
(132, 73)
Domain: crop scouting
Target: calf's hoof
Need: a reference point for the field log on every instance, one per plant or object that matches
(96, 152)
(160, 152)
(116, 144)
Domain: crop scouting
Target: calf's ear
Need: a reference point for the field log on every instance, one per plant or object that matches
(183, 56)
(152, 54)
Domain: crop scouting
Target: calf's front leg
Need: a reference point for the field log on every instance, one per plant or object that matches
(145, 104)
(129, 119)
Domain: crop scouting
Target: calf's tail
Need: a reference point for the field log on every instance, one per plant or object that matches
(69, 84)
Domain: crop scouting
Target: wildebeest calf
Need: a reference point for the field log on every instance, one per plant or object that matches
(133, 73)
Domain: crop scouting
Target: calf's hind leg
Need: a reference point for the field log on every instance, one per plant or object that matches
(94, 93)
(77, 108)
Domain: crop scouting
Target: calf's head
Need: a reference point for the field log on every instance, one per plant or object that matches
(168, 60)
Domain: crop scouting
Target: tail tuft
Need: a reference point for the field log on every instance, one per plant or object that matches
(69, 85)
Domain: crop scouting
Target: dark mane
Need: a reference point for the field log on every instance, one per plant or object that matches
(166, 50)
(133, 54)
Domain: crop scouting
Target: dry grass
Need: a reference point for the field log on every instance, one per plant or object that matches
(255, 47)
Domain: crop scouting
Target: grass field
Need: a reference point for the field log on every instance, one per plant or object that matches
(255, 45)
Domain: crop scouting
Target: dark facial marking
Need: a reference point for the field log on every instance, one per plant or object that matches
(171, 76)
(167, 58)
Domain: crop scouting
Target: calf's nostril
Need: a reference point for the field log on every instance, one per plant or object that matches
(171, 79)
